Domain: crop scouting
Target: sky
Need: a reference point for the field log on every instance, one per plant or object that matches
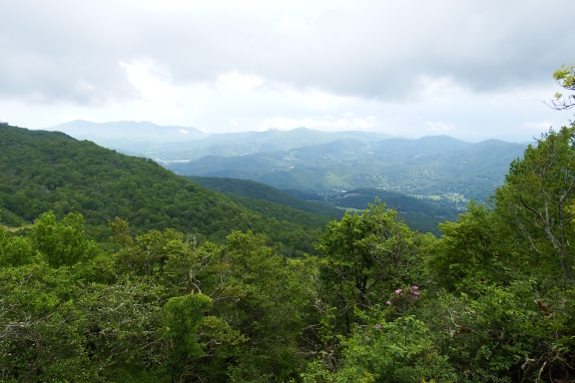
(474, 69)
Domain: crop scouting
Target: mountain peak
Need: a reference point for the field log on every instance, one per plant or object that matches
(105, 133)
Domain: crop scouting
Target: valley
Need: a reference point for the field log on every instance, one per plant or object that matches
(315, 162)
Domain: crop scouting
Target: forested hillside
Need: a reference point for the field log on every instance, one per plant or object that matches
(41, 171)
(419, 214)
(259, 191)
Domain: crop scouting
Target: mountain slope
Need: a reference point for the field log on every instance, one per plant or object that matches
(262, 192)
(42, 171)
(418, 213)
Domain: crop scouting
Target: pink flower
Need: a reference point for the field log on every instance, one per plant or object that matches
(415, 297)
(388, 303)
(378, 326)
(416, 293)
(415, 288)
(398, 291)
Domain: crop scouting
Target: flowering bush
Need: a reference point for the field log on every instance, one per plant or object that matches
(402, 299)
(403, 295)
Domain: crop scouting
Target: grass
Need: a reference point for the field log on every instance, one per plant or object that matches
(350, 209)
(13, 229)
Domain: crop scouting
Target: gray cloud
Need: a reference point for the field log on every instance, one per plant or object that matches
(68, 50)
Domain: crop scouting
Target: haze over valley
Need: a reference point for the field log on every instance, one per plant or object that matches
(310, 161)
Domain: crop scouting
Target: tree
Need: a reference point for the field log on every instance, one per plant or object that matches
(539, 194)
(565, 78)
(474, 248)
(62, 243)
(184, 316)
(366, 257)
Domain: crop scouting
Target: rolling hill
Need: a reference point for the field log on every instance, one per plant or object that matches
(418, 213)
(262, 192)
(167, 144)
(426, 166)
(41, 171)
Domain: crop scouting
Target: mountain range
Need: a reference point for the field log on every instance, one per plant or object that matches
(128, 137)
(166, 144)
(428, 166)
(42, 171)
(308, 161)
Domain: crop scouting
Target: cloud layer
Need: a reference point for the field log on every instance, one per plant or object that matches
(278, 64)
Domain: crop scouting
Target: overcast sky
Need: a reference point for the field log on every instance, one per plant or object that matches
(470, 69)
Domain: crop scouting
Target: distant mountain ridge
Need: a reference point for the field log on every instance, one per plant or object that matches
(128, 130)
(129, 137)
(314, 161)
(245, 143)
(169, 143)
(429, 165)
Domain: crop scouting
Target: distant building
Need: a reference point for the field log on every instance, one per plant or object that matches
(3, 123)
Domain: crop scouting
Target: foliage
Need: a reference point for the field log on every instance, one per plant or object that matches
(475, 248)
(539, 195)
(183, 317)
(62, 243)
(565, 78)
(260, 192)
(365, 256)
(400, 351)
(42, 171)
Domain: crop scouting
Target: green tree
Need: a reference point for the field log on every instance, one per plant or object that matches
(565, 78)
(366, 257)
(41, 327)
(184, 315)
(539, 195)
(62, 243)
(400, 351)
(476, 247)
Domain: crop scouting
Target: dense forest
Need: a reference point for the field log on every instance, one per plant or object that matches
(42, 171)
(491, 300)
(419, 214)
(124, 276)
